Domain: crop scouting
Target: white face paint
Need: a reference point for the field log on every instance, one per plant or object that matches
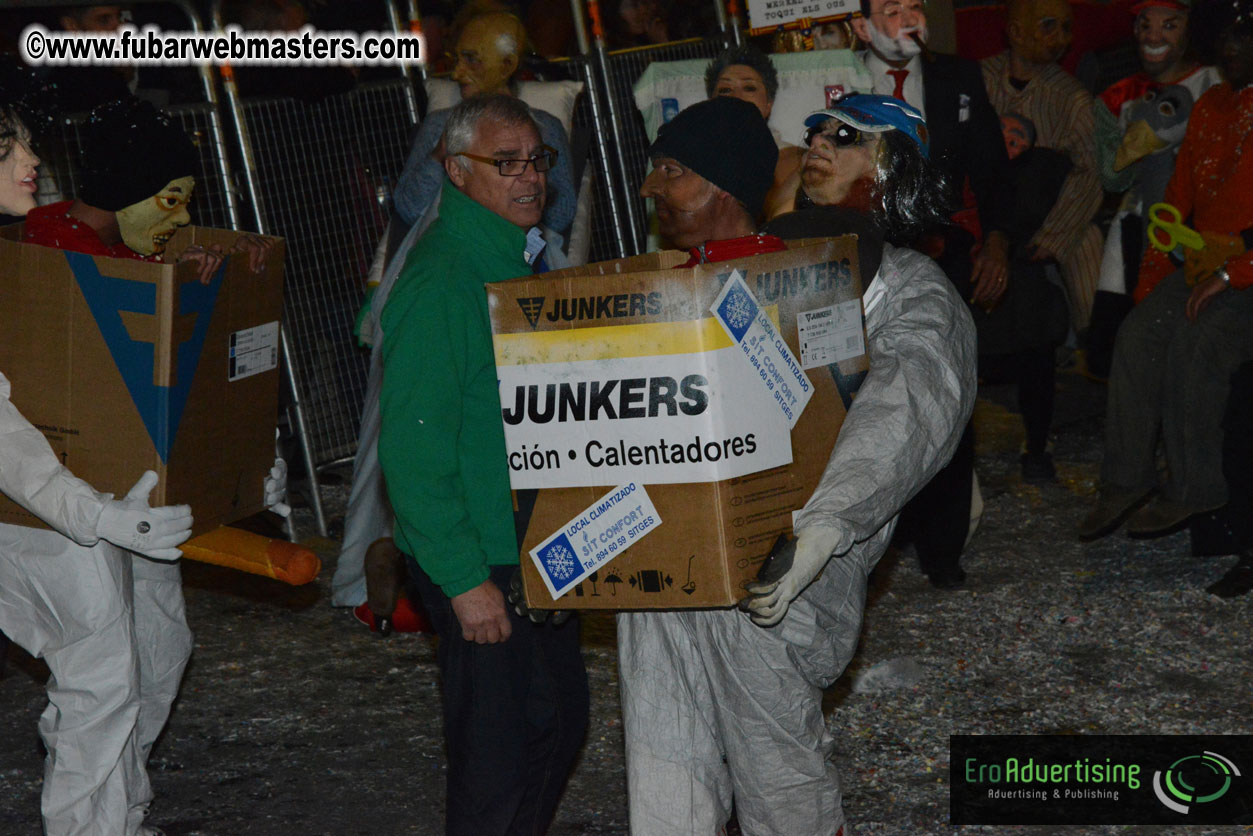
(898, 48)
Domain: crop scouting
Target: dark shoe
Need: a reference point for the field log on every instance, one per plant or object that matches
(1037, 467)
(953, 578)
(1159, 518)
(1238, 580)
(1114, 506)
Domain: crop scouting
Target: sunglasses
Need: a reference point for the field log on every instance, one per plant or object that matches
(842, 137)
(543, 161)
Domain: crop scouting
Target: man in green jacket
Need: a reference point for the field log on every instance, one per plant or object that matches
(515, 693)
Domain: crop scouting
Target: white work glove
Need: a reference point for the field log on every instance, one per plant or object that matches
(276, 488)
(768, 600)
(152, 532)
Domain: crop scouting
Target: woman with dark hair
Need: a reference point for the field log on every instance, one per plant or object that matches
(745, 72)
(17, 165)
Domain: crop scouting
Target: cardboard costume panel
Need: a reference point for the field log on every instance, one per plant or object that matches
(647, 413)
(129, 366)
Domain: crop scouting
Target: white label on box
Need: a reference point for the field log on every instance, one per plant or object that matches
(253, 350)
(831, 334)
(601, 532)
(653, 403)
(761, 344)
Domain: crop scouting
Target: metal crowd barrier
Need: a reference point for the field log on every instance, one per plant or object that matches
(320, 174)
(631, 152)
(620, 149)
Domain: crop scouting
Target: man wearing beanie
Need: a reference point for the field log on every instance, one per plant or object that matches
(712, 167)
(723, 708)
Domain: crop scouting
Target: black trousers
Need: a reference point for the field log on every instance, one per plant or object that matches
(515, 716)
(937, 519)
(1033, 370)
(1230, 528)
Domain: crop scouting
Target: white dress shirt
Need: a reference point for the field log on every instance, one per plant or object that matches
(885, 85)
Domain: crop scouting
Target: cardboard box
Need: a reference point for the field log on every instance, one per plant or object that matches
(634, 413)
(129, 366)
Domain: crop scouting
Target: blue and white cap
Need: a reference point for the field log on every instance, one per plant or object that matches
(876, 114)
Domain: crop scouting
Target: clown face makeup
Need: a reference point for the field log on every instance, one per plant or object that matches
(487, 54)
(17, 172)
(1161, 36)
(146, 226)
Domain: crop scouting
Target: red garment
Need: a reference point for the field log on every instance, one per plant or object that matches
(52, 226)
(1213, 180)
(898, 76)
(1134, 86)
(1129, 89)
(732, 248)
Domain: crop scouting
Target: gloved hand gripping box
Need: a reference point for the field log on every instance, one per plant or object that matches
(663, 423)
(129, 366)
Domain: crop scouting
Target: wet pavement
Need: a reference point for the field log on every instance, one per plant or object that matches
(294, 719)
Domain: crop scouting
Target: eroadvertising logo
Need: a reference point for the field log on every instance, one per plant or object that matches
(1101, 779)
(1211, 776)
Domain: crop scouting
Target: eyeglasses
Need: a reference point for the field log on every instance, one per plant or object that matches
(843, 136)
(543, 161)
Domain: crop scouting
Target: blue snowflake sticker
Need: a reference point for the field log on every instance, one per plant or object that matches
(738, 311)
(560, 561)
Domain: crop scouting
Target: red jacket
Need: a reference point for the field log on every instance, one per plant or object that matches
(1213, 180)
(52, 226)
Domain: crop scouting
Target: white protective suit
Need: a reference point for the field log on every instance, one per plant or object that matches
(369, 514)
(110, 625)
(716, 707)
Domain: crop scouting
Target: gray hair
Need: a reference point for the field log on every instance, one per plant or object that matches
(462, 126)
(748, 56)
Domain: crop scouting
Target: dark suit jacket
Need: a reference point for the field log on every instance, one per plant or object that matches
(966, 137)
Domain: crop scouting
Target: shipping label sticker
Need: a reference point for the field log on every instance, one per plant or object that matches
(831, 334)
(764, 347)
(253, 350)
(601, 532)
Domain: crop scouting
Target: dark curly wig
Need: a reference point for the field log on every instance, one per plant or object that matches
(914, 195)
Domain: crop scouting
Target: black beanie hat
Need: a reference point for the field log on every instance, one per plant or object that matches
(726, 141)
(130, 152)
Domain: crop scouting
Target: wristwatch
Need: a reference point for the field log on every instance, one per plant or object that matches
(1222, 273)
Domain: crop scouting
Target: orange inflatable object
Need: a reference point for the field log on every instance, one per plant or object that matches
(237, 549)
